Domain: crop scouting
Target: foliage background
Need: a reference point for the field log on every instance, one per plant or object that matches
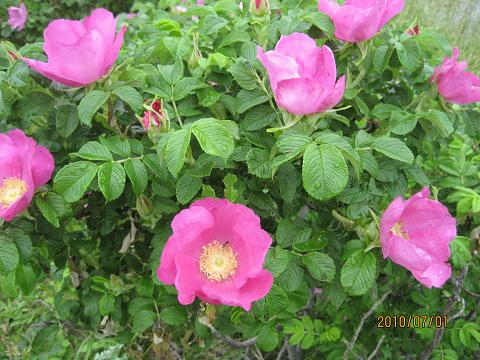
(72, 295)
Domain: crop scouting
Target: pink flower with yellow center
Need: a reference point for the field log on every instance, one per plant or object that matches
(416, 234)
(24, 166)
(216, 253)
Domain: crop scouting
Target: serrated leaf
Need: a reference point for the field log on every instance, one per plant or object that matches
(259, 163)
(174, 315)
(90, 104)
(9, 256)
(117, 145)
(52, 206)
(142, 320)
(111, 180)
(67, 120)
(358, 272)
(137, 173)
(325, 172)
(244, 74)
(131, 96)
(267, 338)
(187, 187)
(402, 122)
(74, 179)
(320, 266)
(393, 148)
(408, 53)
(258, 118)
(247, 99)
(176, 149)
(214, 138)
(95, 151)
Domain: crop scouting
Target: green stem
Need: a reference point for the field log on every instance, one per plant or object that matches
(177, 114)
(125, 160)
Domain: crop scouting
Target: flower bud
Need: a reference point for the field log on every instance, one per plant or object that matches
(154, 118)
(259, 7)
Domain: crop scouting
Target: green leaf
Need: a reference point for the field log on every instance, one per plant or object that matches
(325, 172)
(34, 105)
(230, 192)
(259, 163)
(393, 148)
(187, 187)
(408, 54)
(322, 21)
(74, 179)
(67, 120)
(9, 256)
(277, 300)
(441, 121)
(174, 315)
(244, 74)
(461, 253)
(247, 99)
(288, 182)
(258, 118)
(131, 96)
(95, 151)
(137, 173)
(90, 104)
(402, 122)
(106, 305)
(381, 58)
(172, 73)
(212, 24)
(176, 149)
(52, 206)
(214, 138)
(142, 320)
(320, 266)
(267, 338)
(22, 241)
(184, 87)
(111, 180)
(358, 272)
(117, 145)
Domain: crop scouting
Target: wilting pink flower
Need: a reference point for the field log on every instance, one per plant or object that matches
(216, 253)
(80, 52)
(302, 75)
(359, 20)
(153, 118)
(415, 234)
(17, 17)
(454, 83)
(24, 166)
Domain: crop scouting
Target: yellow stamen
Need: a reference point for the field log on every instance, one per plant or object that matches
(398, 230)
(11, 190)
(218, 261)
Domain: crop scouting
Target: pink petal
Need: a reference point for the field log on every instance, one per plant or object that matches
(61, 33)
(436, 275)
(188, 280)
(42, 166)
(353, 24)
(405, 253)
(101, 20)
(303, 49)
(167, 270)
(279, 66)
(393, 8)
(328, 7)
(112, 54)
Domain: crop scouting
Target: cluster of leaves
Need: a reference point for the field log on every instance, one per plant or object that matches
(318, 184)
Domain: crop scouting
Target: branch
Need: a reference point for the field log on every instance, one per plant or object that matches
(226, 339)
(283, 349)
(362, 322)
(375, 351)
(451, 302)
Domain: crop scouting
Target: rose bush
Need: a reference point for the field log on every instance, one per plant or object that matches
(237, 179)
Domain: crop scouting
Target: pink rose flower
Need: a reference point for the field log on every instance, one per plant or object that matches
(153, 118)
(80, 52)
(454, 83)
(300, 71)
(359, 20)
(24, 166)
(415, 234)
(17, 17)
(217, 252)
